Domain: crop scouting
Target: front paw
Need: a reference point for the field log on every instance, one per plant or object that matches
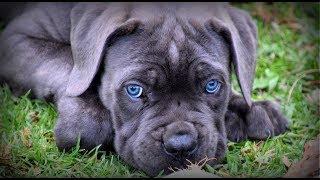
(236, 130)
(264, 120)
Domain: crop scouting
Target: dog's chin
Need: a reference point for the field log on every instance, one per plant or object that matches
(166, 163)
(149, 156)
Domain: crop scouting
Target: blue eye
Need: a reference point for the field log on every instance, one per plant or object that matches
(213, 86)
(134, 90)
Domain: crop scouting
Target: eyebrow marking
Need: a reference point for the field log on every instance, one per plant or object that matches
(216, 68)
(178, 37)
(173, 53)
(178, 34)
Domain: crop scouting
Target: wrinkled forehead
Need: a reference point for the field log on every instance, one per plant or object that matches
(171, 46)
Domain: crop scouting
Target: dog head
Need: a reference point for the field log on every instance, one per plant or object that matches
(165, 75)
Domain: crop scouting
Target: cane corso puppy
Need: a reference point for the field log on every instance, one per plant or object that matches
(151, 80)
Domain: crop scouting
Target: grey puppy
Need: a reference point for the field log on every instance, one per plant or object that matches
(151, 80)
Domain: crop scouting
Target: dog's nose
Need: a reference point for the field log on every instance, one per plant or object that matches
(180, 145)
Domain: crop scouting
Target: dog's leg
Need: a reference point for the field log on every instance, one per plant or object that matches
(262, 120)
(84, 116)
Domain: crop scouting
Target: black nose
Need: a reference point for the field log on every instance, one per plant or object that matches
(180, 145)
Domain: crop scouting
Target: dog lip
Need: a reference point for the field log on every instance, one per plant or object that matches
(178, 156)
(170, 154)
(193, 151)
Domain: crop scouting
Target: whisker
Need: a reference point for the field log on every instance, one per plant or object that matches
(189, 161)
(207, 159)
(204, 159)
(170, 168)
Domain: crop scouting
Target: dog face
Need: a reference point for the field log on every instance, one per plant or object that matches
(165, 76)
(175, 118)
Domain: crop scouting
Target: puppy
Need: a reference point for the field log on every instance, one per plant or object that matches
(151, 80)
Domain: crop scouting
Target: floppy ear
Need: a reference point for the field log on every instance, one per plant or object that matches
(93, 25)
(239, 29)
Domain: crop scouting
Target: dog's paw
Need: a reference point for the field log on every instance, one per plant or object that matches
(236, 130)
(264, 120)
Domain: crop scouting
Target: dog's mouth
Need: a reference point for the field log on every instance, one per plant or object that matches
(181, 157)
(188, 162)
(170, 143)
(176, 156)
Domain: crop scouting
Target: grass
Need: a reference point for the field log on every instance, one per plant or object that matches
(287, 70)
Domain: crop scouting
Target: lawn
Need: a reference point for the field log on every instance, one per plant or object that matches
(287, 70)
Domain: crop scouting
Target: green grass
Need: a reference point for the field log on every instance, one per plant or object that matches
(287, 69)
